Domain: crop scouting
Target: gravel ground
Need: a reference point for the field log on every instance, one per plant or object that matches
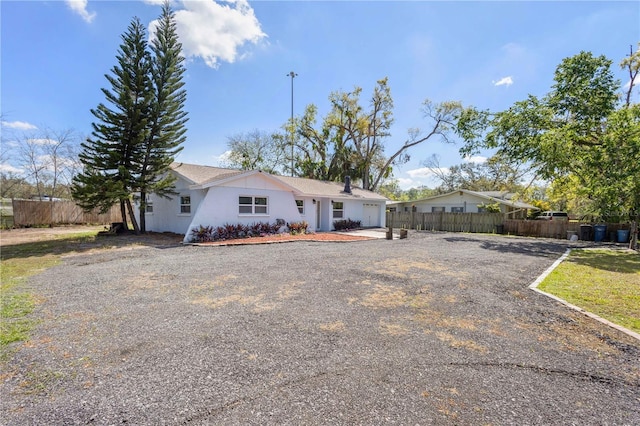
(436, 329)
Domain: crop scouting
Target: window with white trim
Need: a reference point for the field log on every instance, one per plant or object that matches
(338, 210)
(457, 209)
(300, 205)
(148, 205)
(253, 205)
(437, 209)
(185, 204)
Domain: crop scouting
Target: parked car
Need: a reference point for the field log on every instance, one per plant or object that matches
(553, 215)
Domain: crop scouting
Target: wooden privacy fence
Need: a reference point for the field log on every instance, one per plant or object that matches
(558, 229)
(496, 223)
(35, 213)
(441, 221)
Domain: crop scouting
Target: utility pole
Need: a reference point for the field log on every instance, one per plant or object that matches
(292, 75)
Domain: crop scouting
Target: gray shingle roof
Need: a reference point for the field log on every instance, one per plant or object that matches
(320, 188)
(495, 196)
(199, 175)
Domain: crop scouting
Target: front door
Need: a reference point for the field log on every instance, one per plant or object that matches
(318, 215)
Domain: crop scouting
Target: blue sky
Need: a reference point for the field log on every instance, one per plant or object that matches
(490, 54)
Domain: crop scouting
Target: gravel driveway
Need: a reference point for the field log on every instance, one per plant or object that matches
(436, 329)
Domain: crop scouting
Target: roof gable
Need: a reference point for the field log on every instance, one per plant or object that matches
(490, 196)
(229, 178)
(197, 175)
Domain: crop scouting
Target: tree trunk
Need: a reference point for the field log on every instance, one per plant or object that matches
(633, 235)
(123, 213)
(132, 215)
(143, 209)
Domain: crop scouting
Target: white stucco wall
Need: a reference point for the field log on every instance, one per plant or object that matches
(218, 205)
(221, 206)
(166, 216)
(355, 210)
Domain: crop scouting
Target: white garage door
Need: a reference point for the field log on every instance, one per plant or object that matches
(371, 215)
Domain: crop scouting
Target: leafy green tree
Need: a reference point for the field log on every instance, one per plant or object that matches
(495, 174)
(258, 150)
(391, 189)
(579, 130)
(417, 193)
(351, 140)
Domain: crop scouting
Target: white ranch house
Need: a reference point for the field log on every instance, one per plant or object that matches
(465, 201)
(212, 196)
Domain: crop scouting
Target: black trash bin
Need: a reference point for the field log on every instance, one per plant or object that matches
(585, 232)
(499, 229)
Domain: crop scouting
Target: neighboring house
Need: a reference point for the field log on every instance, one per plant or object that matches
(465, 201)
(215, 196)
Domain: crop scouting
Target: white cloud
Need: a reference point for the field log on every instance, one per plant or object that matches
(80, 7)
(20, 125)
(504, 81)
(222, 159)
(214, 31)
(42, 141)
(422, 172)
(477, 159)
(8, 168)
(422, 176)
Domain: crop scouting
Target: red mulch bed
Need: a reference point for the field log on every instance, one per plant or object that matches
(285, 238)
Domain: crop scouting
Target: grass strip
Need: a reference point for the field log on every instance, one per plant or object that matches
(17, 300)
(604, 282)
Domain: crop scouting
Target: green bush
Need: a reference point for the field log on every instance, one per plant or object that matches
(346, 224)
(228, 231)
(296, 228)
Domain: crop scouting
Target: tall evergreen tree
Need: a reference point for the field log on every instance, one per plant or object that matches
(167, 118)
(136, 137)
(110, 155)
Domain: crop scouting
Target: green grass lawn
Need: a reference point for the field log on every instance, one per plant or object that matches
(604, 282)
(17, 263)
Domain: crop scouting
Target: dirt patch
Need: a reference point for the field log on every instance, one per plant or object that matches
(29, 235)
(32, 235)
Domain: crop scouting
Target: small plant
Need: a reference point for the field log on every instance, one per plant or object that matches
(490, 208)
(228, 231)
(203, 234)
(296, 228)
(346, 224)
(275, 228)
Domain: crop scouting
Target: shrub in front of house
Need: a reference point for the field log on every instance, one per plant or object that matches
(202, 234)
(346, 224)
(230, 231)
(296, 228)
